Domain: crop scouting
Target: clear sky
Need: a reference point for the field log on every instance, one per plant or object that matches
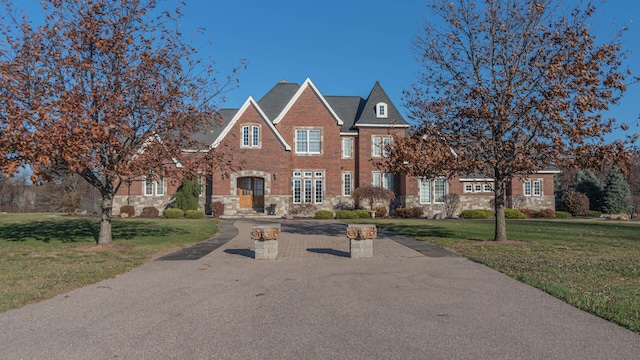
(345, 46)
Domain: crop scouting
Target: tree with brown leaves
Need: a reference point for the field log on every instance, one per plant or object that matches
(508, 88)
(107, 89)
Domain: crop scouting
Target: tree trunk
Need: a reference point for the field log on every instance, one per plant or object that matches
(501, 223)
(105, 219)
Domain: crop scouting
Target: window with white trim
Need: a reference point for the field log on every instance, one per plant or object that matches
(383, 180)
(308, 187)
(347, 184)
(527, 188)
(432, 191)
(468, 187)
(308, 141)
(487, 188)
(151, 188)
(250, 136)
(477, 187)
(381, 110)
(347, 147)
(380, 146)
(537, 188)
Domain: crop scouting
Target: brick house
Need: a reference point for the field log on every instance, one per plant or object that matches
(300, 148)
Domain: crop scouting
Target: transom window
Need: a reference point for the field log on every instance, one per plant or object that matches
(308, 187)
(308, 141)
(477, 187)
(251, 136)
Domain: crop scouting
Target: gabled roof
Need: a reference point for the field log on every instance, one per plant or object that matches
(348, 108)
(307, 84)
(273, 102)
(228, 126)
(368, 116)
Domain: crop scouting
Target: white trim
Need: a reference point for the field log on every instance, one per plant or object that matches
(548, 172)
(236, 117)
(382, 125)
(382, 105)
(307, 83)
(477, 179)
(348, 133)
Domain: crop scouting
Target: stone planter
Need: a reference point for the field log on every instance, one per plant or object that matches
(266, 241)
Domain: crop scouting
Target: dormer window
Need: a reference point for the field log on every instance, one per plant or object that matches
(381, 110)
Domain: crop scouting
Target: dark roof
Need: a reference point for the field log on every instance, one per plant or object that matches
(369, 117)
(274, 101)
(348, 109)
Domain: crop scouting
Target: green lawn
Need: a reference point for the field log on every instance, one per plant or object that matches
(591, 264)
(42, 255)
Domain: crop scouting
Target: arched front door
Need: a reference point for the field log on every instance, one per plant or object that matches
(251, 192)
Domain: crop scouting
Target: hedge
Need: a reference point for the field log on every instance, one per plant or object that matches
(172, 213)
(323, 214)
(194, 214)
(513, 214)
(476, 214)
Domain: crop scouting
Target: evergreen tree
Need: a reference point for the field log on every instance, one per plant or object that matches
(616, 193)
(587, 182)
(186, 198)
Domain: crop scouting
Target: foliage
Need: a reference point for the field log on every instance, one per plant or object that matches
(217, 209)
(547, 214)
(373, 194)
(476, 214)
(575, 203)
(93, 84)
(593, 214)
(43, 255)
(324, 214)
(172, 213)
(149, 212)
(451, 202)
(527, 212)
(129, 210)
(592, 265)
(187, 195)
(380, 211)
(353, 214)
(616, 194)
(563, 215)
(414, 212)
(194, 214)
(70, 202)
(508, 88)
(513, 214)
(587, 182)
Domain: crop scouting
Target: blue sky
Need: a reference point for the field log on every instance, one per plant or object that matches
(345, 46)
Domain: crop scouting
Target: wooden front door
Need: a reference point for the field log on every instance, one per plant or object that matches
(251, 192)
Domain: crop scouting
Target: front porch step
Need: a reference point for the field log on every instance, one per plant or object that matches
(250, 214)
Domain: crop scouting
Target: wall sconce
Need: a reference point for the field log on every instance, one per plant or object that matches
(223, 176)
(275, 176)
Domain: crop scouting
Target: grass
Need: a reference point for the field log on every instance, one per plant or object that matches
(43, 255)
(593, 265)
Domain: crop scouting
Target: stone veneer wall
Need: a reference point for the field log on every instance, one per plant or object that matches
(479, 203)
(139, 202)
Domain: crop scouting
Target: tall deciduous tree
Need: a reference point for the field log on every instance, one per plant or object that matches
(107, 89)
(509, 87)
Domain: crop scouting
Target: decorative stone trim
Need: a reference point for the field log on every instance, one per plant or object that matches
(361, 240)
(266, 241)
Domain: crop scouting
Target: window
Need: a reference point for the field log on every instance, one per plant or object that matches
(308, 141)
(381, 110)
(346, 184)
(477, 187)
(377, 179)
(425, 191)
(432, 191)
(384, 180)
(308, 187)
(151, 188)
(251, 136)
(537, 188)
(487, 188)
(380, 144)
(347, 147)
(468, 187)
(527, 188)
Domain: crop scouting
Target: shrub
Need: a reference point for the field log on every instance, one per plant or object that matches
(593, 214)
(380, 211)
(513, 214)
(563, 215)
(451, 202)
(187, 195)
(346, 214)
(617, 194)
(217, 209)
(71, 202)
(576, 203)
(373, 194)
(324, 214)
(149, 212)
(547, 214)
(414, 212)
(173, 213)
(194, 214)
(362, 214)
(129, 210)
(476, 214)
(527, 212)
